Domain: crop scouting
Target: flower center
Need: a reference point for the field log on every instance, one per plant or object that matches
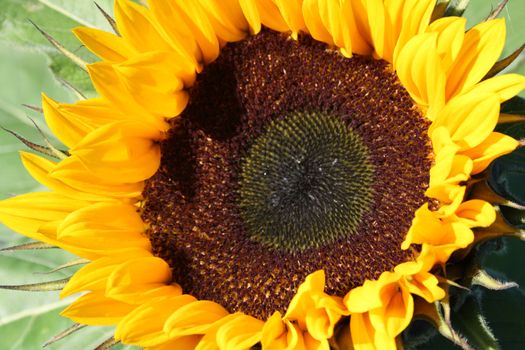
(289, 158)
(304, 183)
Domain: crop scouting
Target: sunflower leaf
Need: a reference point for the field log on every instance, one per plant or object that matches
(514, 216)
(56, 18)
(515, 105)
(505, 309)
(507, 176)
(473, 326)
(516, 130)
(456, 7)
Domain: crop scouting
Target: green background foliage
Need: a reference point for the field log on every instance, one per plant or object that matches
(29, 66)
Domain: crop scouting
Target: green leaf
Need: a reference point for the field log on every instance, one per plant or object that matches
(516, 130)
(56, 18)
(456, 7)
(83, 12)
(505, 311)
(515, 105)
(507, 176)
(515, 217)
(471, 324)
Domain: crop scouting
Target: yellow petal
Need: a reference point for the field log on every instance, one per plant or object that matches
(239, 333)
(314, 310)
(476, 213)
(481, 48)
(159, 91)
(425, 285)
(397, 311)
(363, 298)
(419, 69)
(178, 34)
(123, 152)
(505, 86)
(144, 326)
(182, 343)
(314, 22)
(94, 276)
(196, 30)
(451, 32)
(26, 213)
(292, 15)
(227, 19)
(136, 25)
(65, 129)
(209, 340)
(104, 229)
(407, 22)
(265, 12)
(337, 17)
(71, 177)
(95, 309)
(469, 119)
(194, 318)
(494, 146)
(116, 89)
(376, 22)
(362, 332)
(137, 277)
(107, 46)
(251, 13)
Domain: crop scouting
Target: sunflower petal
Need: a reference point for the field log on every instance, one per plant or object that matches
(494, 146)
(227, 19)
(73, 178)
(292, 15)
(182, 343)
(362, 331)
(151, 316)
(65, 129)
(140, 277)
(123, 152)
(405, 23)
(195, 318)
(95, 309)
(107, 228)
(451, 32)
(314, 22)
(241, 332)
(93, 277)
(28, 212)
(469, 119)
(419, 69)
(505, 86)
(136, 25)
(107, 46)
(481, 48)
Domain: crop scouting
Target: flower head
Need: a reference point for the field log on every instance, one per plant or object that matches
(264, 171)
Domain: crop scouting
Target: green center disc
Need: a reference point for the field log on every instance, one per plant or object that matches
(305, 182)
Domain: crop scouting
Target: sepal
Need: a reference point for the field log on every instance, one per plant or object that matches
(66, 332)
(39, 287)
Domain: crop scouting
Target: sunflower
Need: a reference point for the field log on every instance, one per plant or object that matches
(267, 173)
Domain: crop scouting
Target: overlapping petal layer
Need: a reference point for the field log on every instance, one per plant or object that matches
(143, 81)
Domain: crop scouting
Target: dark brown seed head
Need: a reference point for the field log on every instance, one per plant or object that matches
(288, 159)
